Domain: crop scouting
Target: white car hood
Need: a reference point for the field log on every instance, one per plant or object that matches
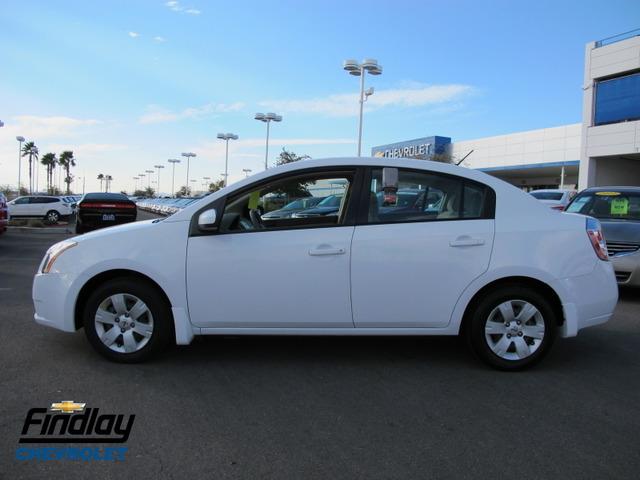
(117, 229)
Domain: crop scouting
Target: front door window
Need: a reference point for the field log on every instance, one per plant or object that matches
(314, 200)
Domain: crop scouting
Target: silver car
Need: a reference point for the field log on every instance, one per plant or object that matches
(618, 209)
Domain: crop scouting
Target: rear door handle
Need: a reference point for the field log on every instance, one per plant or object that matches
(466, 241)
(326, 250)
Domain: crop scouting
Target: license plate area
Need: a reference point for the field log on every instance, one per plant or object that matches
(108, 217)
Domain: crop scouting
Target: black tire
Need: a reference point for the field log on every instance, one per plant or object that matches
(162, 334)
(52, 217)
(477, 322)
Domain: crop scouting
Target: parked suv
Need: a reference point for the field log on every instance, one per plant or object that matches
(50, 209)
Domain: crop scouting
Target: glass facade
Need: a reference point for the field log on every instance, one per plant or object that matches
(617, 100)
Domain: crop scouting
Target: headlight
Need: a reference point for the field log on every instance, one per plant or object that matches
(54, 252)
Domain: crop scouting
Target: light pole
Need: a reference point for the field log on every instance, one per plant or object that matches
(158, 177)
(141, 177)
(20, 139)
(359, 70)
(135, 184)
(267, 118)
(149, 177)
(205, 182)
(188, 155)
(173, 161)
(246, 171)
(226, 137)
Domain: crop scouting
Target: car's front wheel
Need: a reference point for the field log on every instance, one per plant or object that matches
(52, 217)
(127, 320)
(512, 328)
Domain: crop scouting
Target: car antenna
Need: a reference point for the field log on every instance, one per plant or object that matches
(463, 158)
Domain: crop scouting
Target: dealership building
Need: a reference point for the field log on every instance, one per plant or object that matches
(602, 150)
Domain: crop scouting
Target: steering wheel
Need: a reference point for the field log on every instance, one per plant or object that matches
(254, 214)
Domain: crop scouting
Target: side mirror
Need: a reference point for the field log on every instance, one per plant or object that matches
(207, 220)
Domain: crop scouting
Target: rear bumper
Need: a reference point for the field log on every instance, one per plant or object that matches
(588, 300)
(94, 220)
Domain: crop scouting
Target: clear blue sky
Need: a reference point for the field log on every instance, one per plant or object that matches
(127, 84)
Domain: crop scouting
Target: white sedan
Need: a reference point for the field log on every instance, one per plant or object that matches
(555, 199)
(468, 254)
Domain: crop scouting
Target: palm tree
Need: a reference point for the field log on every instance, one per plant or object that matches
(49, 160)
(101, 178)
(30, 150)
(108, 179)
(67, 161)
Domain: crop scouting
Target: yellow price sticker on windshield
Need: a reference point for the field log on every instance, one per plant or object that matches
(254, 200)
(608, 194)
(620, 206)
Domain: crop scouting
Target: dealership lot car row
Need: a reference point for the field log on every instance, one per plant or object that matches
(413, 248)
(164, 206)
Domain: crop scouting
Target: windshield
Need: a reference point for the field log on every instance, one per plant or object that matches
(547, 195)
(331, 201)
(608, 205)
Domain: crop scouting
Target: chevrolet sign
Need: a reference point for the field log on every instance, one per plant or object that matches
(421, 148)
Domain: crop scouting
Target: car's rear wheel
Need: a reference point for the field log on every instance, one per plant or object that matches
(52, 217)
(512, 328)
(127, 320)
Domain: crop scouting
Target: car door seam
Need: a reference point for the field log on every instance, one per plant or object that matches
(353, 234)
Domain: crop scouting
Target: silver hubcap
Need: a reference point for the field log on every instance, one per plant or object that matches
(124, 323)
(514, 330)
(53, 217)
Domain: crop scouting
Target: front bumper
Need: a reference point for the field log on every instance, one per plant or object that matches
(589, 299)
(627, 268)
(51, 293)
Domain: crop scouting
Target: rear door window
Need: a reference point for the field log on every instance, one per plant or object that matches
(424, 196)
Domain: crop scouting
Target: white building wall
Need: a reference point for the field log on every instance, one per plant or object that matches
(613, 140)
(546, 145)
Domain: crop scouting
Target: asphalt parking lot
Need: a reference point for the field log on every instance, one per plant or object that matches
(327, 407)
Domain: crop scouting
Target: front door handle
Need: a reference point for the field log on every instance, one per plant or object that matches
(326, 250)
(466, 241)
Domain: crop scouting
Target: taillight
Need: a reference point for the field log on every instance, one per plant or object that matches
(594, 231)
(106, 205)
(558, 207)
